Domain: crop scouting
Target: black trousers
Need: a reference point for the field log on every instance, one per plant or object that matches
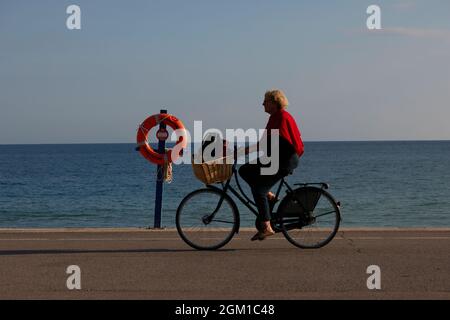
(261, 184)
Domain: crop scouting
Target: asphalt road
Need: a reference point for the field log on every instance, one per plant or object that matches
(149, 264)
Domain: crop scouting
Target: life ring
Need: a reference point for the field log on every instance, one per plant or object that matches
(147, 151)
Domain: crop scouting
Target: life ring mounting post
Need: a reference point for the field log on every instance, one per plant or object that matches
(162, 157)
(160, 176)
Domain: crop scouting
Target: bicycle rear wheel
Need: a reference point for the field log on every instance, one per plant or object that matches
(309, 217)
(207, 219)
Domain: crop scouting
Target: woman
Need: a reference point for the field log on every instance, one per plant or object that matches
(290, 149)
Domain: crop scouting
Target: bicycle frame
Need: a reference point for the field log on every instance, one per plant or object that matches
(251, 205)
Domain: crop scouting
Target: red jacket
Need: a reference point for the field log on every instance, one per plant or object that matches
(288, 129)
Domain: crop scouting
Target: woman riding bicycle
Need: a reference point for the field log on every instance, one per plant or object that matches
(290, 149)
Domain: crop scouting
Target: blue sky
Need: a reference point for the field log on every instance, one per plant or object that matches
(213, 61)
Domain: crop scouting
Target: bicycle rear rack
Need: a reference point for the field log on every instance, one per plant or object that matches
(323, 184)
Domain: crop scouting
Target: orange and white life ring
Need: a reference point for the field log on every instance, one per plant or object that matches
(147, 151)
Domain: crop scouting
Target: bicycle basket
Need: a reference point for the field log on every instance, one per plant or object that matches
(210, 172)
(303, 199)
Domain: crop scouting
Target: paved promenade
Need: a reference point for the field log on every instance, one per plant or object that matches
(146, 264)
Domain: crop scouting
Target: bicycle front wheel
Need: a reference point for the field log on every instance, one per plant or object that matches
(206, 219)
(309, 217)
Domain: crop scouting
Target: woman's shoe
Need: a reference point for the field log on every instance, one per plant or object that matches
(261, 235)
(267, 233)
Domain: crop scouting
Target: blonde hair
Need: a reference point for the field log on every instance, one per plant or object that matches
(278, 97)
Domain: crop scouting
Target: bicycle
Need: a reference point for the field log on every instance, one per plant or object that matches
(208, 218)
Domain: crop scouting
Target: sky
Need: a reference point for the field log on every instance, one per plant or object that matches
(213, 61)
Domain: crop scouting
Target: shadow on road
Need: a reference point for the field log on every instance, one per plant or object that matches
(57, 251)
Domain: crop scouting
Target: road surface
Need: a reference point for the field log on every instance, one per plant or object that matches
(153, 264)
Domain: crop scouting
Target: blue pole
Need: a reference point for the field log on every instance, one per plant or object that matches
(159, 178)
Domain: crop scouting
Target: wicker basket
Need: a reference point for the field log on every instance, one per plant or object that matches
(212, 171)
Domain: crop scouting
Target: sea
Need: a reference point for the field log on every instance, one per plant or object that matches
(379, 184)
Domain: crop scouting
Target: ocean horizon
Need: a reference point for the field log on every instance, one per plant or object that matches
(393, 183)
(305, 141)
